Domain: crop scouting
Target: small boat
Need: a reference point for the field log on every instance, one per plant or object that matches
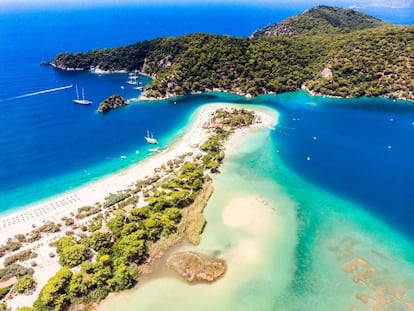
(139, 88)
(133, 80)
(123, 157)
(155, 150)
(150, 139)
(82, 101)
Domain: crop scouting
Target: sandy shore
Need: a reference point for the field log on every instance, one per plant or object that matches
(67, 203)
(62, 205)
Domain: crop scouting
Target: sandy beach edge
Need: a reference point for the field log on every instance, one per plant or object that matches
(53, 209)
(269, 119)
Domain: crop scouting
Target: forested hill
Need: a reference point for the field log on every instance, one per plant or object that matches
(321, 20)
(357, 56)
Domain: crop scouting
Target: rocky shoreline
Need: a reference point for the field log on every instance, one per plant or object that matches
(112, 102)
(144, 96)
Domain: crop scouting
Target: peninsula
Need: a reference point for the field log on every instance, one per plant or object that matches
(326, 50)
(102, 237)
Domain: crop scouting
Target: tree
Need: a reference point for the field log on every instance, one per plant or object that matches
(152, 227)
(168, 225)
(131, 249)
(74, 255)
(122, 278)
(54, 296)
(116, 224)
(64, 242)
(173, 213)
(24, 284)
(138, 214)
(181, 198)
(92, 279)
(100, 240)
(78, 285)
(129, 228)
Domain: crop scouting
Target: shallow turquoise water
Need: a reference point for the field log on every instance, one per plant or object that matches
(288, 244)
(48, 146)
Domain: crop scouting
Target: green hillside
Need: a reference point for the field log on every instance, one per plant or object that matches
(355, 55)
(321, 20)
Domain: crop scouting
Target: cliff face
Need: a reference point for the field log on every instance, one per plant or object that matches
(112, 102)
(321, 20)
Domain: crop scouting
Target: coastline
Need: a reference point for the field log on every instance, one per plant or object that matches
(312, 93)
(171, 96)
(213, 90)
(68, 203)
(63, 204)
(249, 96)
(252, 215)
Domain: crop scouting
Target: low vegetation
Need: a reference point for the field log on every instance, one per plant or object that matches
(120, 236)
(24, 284)
(20, 256)
(14, 270)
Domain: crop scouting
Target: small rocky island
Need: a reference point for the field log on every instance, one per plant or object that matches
(112, 102)
(196, 268)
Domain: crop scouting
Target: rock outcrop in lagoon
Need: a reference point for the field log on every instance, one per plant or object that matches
(112, 102)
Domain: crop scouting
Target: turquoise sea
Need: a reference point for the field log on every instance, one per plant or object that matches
(315, 213)
(288, 245)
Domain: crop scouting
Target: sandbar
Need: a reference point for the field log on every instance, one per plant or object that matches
(53, 209)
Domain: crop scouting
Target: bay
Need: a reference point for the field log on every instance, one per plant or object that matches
(335, 173)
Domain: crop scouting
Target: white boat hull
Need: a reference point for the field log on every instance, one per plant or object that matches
(82, 101)
(151, 140)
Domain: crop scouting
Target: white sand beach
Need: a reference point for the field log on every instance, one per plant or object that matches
(54, 209)
(26, 219)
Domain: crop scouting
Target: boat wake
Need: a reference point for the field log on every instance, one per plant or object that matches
(39, 92)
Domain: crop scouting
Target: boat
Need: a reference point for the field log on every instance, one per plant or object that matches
(150, 139)
(133, 80)
(82, 101)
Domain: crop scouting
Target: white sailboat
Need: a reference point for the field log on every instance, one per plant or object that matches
(133, 80)
(150, 139)
(139, 88)
(82, 101)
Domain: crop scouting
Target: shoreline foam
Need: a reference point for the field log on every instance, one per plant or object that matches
(244, 247)
(55, 208)
(23, 220)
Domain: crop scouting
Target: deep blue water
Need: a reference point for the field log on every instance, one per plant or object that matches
(49, 145)
(356, 148)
